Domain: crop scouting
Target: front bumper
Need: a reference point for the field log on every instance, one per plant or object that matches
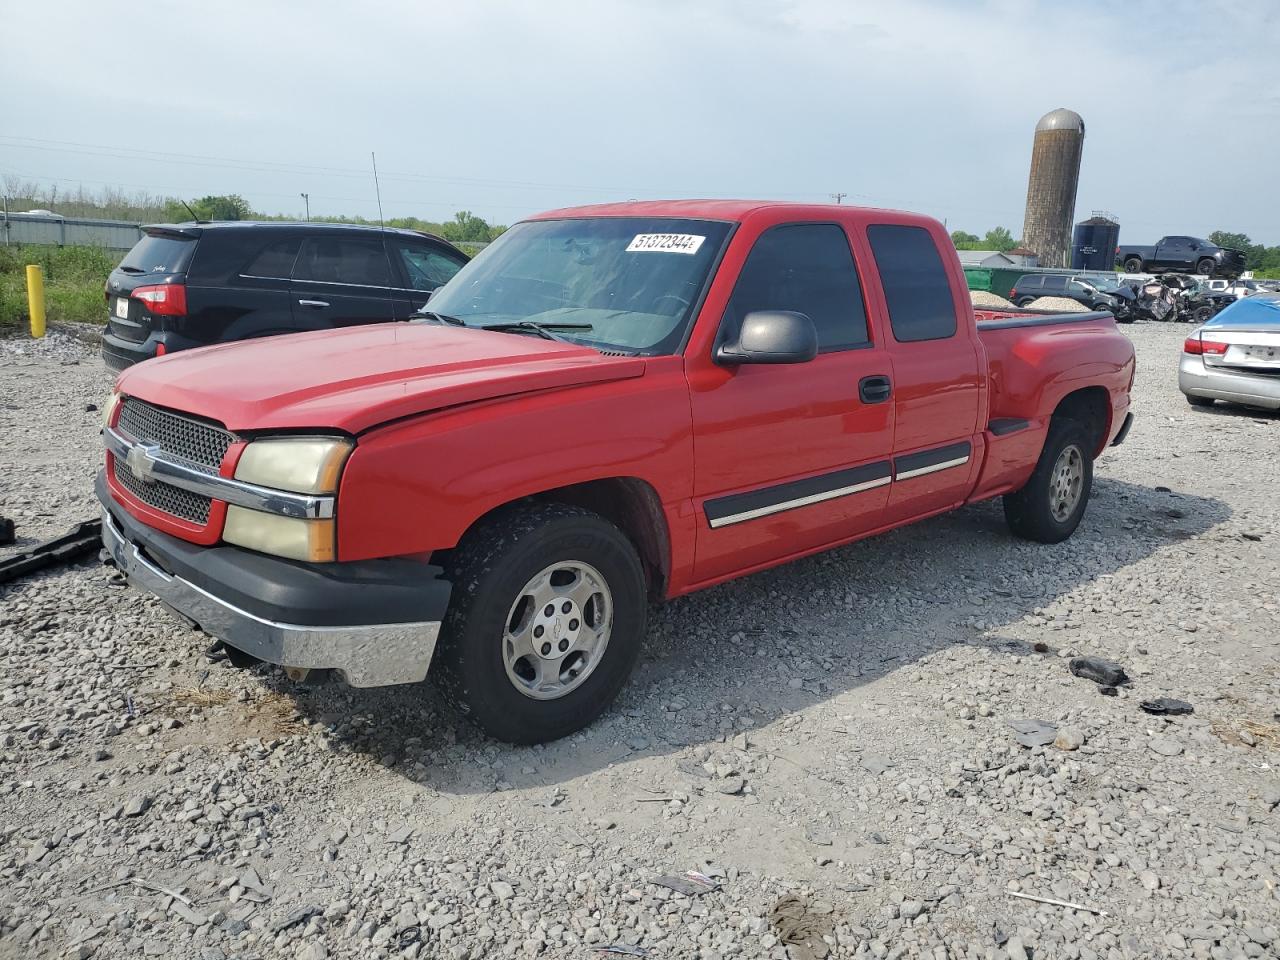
(375, 622)
(1226, 383)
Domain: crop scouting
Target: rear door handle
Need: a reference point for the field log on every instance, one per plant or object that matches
(313, 303)
(874, 389)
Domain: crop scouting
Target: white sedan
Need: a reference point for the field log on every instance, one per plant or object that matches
(1235, 356)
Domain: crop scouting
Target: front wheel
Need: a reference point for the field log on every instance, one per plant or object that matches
(1206, 266)
(1051, 505)
(546, 621)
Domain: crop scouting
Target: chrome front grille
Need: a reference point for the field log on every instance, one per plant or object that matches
(163, 496)
(202, 445)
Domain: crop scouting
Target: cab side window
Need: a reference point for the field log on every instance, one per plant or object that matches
(806, 268)
(915, 283)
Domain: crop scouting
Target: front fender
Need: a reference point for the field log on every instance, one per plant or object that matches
(416, 486)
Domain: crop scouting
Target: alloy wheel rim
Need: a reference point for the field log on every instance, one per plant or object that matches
(1066, 482)
(557, 630)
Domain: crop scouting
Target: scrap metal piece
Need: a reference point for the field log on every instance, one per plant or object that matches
(82, 539)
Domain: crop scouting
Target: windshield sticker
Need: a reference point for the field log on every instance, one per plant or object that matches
(665, 243)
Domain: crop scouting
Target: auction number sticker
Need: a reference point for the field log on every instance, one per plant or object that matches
(665, 243)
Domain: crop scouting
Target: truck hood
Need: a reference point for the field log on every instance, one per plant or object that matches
(356, 378)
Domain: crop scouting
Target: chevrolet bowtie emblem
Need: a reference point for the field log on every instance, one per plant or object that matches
(141, 461)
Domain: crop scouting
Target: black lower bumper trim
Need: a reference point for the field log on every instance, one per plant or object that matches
(288, 591)
(1124, 430)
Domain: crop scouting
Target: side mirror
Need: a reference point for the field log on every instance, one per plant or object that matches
(772, 336)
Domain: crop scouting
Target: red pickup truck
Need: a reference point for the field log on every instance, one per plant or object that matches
(609, 406)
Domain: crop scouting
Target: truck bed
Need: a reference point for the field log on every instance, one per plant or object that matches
(1024, 348)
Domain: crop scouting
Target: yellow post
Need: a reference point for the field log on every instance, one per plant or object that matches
(35, 298)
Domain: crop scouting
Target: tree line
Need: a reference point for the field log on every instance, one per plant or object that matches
(111, 203)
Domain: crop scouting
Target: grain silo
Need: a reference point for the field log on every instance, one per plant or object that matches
(1051, 188)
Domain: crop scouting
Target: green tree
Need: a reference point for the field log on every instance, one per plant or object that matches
(230, 206)
(1225, 238)
(999, 238)
(959, 236)
(466, 226)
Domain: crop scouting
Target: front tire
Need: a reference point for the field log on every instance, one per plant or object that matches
(1052, 503)
(1206, 266)
(546, 622)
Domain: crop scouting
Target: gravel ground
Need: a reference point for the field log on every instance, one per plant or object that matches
(829, 744)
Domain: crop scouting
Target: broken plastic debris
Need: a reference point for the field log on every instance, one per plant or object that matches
(1034, 733)
(692, 884)
(1102, 672)
(623, 949)
(1167, 707)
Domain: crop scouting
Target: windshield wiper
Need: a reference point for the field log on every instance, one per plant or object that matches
(544, 330)
(437, 318)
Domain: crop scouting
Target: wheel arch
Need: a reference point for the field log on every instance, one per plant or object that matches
(629, 503)
(1090, 406)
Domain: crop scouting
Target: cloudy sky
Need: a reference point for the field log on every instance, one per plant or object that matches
(509, 108)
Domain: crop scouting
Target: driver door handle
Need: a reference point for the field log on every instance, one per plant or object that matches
(874, 389)
(313, 303)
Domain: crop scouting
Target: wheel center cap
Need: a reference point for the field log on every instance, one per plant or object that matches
(556, 629)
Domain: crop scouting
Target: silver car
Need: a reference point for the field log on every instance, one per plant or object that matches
(1235, 356)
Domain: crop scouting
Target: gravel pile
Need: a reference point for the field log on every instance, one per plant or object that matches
(1061, 304)
(981, 298)
(817, 762)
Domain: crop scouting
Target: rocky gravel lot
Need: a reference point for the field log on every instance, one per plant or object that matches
(828, 747)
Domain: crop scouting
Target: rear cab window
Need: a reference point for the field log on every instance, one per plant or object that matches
(159, 253)
(917, 290)
(806, 268)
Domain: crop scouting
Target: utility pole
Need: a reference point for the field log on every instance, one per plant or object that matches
(837, 197)
(306, 198)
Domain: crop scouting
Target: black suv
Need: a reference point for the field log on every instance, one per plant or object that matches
(1032, 286)
(193, 284)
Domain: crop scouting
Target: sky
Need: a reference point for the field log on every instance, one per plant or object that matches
(506, 109)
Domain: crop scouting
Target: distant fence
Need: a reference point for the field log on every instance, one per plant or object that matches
(34, 228)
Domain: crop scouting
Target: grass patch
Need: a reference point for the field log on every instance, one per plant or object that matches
(74, 278)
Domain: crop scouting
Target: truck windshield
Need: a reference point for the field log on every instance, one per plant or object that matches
(622, 283)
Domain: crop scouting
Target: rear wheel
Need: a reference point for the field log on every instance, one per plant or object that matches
(1199, 401)
(1049, 508)
(546, 622)
(1206, 266)
(1133, 265)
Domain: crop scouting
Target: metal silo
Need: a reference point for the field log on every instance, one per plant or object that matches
(1093, 244)
(1051, 188)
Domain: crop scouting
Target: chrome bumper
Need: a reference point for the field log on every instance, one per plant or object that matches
(1232, 384)
(370, 655)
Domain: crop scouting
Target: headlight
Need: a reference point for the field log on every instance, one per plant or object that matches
(311, 540)
(109, 408)
(297, 464)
